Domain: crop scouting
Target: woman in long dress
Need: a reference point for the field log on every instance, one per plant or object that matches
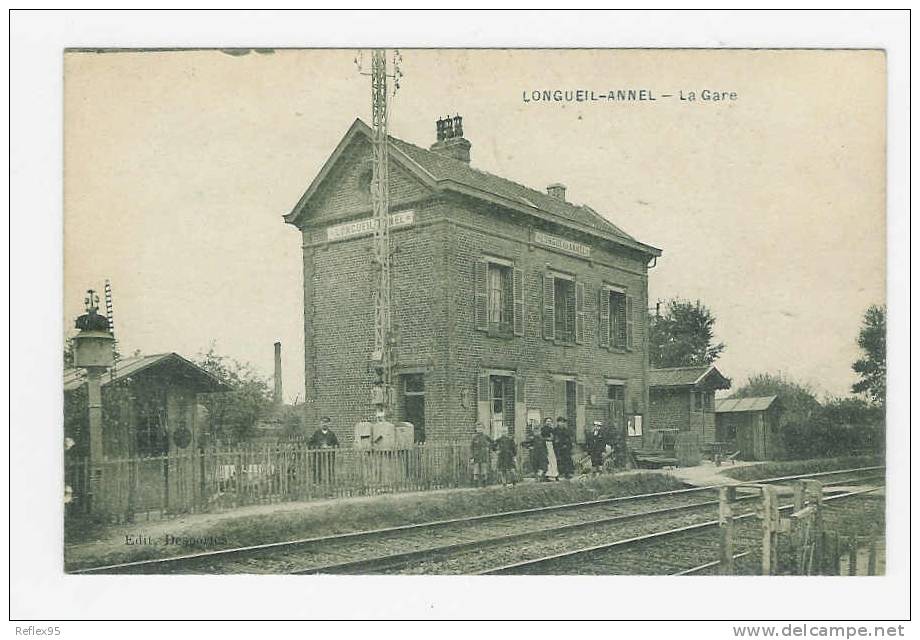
(546, 434)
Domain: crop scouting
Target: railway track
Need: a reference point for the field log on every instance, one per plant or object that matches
(667, 551)
(462, 545)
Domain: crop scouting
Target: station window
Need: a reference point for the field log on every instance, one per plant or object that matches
(499, 303)
(565, 310)
(616, 318)
(413, 402)
(501, 309)
(500, 404)
(616, 403)
(703, 400)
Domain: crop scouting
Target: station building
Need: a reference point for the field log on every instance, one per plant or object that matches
(509, 304)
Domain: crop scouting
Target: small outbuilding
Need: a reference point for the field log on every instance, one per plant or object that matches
(683, 399)
(149, 406)
(749, 426)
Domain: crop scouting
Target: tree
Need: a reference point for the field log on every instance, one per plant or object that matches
(798, 399)
(682, 335)
(234, 413)
(871, 368)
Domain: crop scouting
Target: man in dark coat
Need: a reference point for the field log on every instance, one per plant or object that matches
(537, 446)
(506, 463)
(596, 443)
(323, 439)
(562, 442)
(480, 455)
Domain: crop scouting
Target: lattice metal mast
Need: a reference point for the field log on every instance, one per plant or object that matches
(381, 356)
(110, 316)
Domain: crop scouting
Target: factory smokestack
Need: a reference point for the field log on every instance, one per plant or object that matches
(279, 396)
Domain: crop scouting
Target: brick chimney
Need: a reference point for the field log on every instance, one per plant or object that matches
(278, 396)
(451, 142)
(557, 191)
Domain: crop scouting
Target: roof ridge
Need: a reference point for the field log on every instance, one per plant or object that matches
(464, 165)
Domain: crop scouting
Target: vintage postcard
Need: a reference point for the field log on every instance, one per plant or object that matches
(475, 312)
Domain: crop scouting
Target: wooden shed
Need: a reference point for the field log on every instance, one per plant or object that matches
(749, 426)
(149, 406)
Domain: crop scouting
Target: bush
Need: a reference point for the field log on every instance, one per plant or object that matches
(842, 426)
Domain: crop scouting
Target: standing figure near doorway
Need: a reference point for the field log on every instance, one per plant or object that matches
(480, 455)
(546, 435)
(537, 446)
(562, 439)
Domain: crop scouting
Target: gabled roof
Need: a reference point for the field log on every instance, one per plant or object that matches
(440, 172)
(688, 377)
(738, 405)
(74, 378)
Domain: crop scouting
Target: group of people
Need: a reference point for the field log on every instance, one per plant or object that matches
(551, 450)
(481, 448)
(551, 446)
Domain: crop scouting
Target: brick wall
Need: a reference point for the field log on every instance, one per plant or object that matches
(477, 230)
(669, 409)
(433, 302)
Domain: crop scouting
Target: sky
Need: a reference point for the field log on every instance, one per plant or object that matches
(769, 208)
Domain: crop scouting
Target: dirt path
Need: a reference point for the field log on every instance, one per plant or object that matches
(707, 474)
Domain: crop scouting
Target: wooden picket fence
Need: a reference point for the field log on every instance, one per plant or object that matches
(802, 543)
(223, 477)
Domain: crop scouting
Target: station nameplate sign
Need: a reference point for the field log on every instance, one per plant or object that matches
(561, 244)
(367, 226)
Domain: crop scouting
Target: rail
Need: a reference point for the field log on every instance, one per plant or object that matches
(171, 562)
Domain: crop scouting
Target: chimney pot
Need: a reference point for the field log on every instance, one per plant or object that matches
(557, 191)
(450, 140)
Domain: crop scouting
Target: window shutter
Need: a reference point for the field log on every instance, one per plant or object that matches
(579, 312)
(549, 306)
(603, 316)
(482, 295)
(518, 286)
(630, 321)
(483, 401)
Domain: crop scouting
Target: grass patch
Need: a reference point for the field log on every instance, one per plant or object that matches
(796, 467)
(306, 520)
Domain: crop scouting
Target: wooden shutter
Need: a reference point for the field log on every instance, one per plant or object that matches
(520, 408)
(630, 321)
(603, 316)
(483, 401)
(481, 304)
(580, 401)
(579, 312)
(518, 286)
(549, 306)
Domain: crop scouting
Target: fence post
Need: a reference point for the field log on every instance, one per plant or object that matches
(853, 548)
(727, 531)
(815, 492)
(770, 516)
(873, 543)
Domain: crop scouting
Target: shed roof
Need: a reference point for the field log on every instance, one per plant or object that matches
(739, 405)
(74, 378)
(687, 377)
(443, 172)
